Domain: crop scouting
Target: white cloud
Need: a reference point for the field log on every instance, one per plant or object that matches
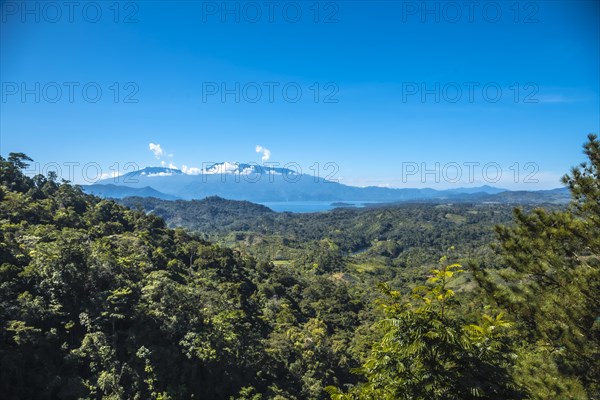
(157, 150)
(266, 153)
(222, 168)
(107, 175)
(160, 174)
(190, 170)
(230, 168)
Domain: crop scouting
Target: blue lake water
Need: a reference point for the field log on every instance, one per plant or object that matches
(311, 206)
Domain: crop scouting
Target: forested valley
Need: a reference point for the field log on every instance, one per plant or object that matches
(216, 299)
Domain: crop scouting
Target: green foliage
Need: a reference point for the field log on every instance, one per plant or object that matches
(391, 231)
(550, 283)
(428, 350)
(100, 301)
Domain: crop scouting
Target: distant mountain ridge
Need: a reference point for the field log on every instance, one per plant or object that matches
(261, 184)
(118, 192)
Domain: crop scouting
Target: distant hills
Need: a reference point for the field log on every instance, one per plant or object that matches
(260, 184)
(118, 192)
(213, 212)
(553, 196)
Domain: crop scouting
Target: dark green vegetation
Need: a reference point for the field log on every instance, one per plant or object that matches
(389, 244)
(101, 301)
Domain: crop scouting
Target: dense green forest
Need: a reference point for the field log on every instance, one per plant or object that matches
(215, 299)
(393, 244)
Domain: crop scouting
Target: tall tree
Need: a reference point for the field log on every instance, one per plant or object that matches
(551, 283)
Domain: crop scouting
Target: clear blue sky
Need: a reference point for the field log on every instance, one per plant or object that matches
(361, 67)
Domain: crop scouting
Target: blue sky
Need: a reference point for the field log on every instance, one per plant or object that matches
(385, 86)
